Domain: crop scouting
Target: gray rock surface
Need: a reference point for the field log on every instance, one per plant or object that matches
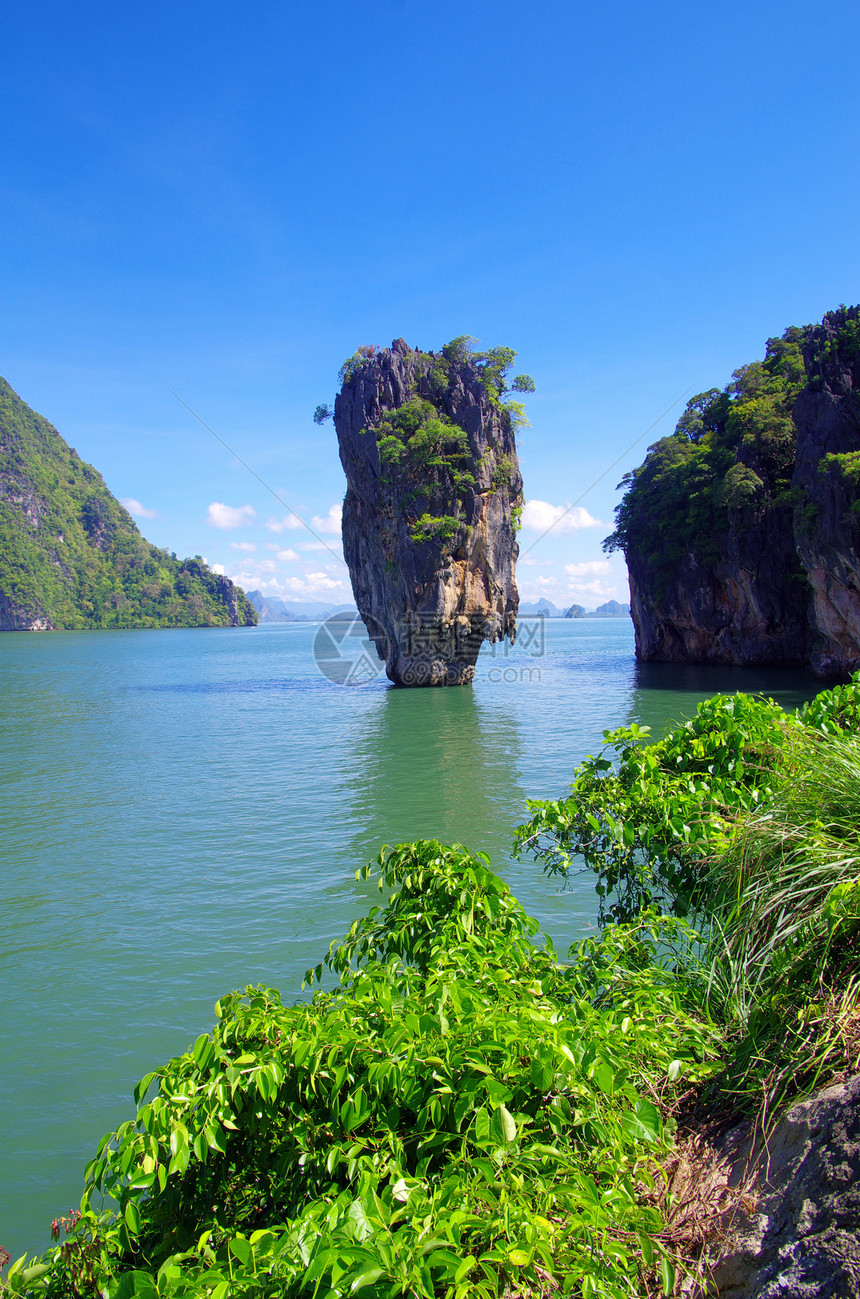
(827, 416)
(429, 604)
(802, 1239)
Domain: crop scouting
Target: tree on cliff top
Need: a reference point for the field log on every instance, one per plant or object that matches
(731, 448)
(493, 366)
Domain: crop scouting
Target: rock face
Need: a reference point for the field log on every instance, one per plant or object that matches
(71, 556)
(741, 532)
(803, 1236)
(429, 518)
(827, 416)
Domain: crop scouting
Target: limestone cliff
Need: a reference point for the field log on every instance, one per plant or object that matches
(827, 478)
(741, 530)
(430, 515)
(71, 556)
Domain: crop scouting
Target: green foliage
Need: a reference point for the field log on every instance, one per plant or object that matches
(426, 435)
(71, 553)
(435, 527)
(741, 487)
(646, 818)
(459, 1116)
(516, 413)
(493, 366)
(354, 363)
(424, 456)
(323, 413)
(795, 862)
(841, 347)
(845, 463)
(745, 818)
(848, 339)
(460, 349)
(731, 450)
(503, 473)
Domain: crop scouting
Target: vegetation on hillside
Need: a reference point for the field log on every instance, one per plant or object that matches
(462, 1113)
(732, 450)
(70, 553)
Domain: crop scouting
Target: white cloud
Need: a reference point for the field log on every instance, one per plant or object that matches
(219, 569)
(137, 510)
(288, 554)
(540, 516)
(288, 523)
(314, 586)
(531, 562)
(331, 523)
(243, 545)
(598, 589)
(229, 516)
(588, 568)
(564, 592)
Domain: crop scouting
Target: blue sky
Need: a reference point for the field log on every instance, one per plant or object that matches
(225, 202)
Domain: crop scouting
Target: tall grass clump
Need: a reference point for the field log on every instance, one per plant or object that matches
(783, 919)
(746, 821)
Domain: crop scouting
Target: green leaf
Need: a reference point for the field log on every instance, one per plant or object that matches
(203, 1051)
(133, 1220)
(241, 1249)
(369, 1277)
(178, 1138)
(509, 1127)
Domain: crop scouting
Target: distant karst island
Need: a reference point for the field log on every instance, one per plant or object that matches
(741, 530)
(71, 556)
(434, 494)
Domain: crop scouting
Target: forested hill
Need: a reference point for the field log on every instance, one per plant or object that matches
(72, 557)
(742, 530)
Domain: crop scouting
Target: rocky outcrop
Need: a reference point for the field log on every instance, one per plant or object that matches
(749, 607)
(827, 417)
(741, 532)
(429, 518)
(776, 1217)
(803, 1237)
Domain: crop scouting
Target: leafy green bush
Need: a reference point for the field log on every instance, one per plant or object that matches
(435, 527)
(744, 819)
(460, 1116)
(645, 819)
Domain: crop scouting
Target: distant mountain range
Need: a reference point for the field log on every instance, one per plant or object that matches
(612, 609)
(271, 608)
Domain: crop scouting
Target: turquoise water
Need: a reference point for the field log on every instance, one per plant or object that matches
(183, 813)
